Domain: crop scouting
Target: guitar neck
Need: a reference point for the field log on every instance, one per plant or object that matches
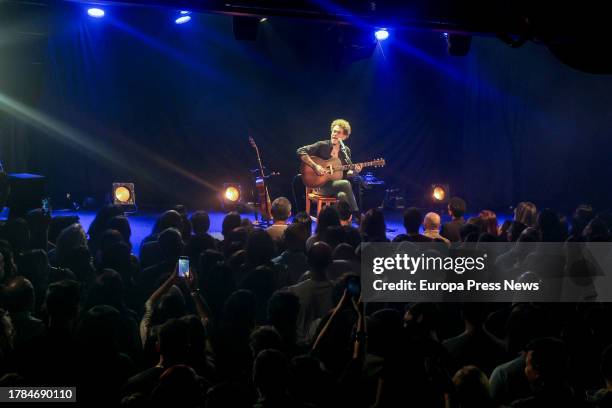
(352, 166)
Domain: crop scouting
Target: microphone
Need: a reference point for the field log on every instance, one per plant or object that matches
(343, 146)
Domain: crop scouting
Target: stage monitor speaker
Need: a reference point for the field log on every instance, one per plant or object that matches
(26, 193)
(372, 196)
(394, 199)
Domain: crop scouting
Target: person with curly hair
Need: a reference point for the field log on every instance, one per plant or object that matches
(334, 147)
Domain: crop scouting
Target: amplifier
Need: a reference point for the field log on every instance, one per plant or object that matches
(26, 193)
(372, 195)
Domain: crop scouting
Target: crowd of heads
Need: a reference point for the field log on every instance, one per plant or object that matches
(272, 318)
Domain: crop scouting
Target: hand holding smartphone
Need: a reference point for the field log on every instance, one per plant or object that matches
(183, 267)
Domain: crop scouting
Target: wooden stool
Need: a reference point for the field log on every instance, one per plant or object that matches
(321, 200)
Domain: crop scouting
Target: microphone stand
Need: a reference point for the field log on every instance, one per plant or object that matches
(357, 180)
(346, 156)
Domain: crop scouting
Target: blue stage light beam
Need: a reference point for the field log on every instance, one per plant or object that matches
(65, 133)
(182, 57)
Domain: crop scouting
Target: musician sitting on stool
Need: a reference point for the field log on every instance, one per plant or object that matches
(334, 148)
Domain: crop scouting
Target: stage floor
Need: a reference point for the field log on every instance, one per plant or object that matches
(142, 222)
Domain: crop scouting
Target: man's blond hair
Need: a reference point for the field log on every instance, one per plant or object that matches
(343, 124)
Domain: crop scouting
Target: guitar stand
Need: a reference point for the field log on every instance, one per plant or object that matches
(261, 223)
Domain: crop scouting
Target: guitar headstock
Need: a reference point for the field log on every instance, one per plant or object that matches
(378, 162)
(252, 142)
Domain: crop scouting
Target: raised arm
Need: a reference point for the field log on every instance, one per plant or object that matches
(345, 298)
(145, 323)
(154, 298)
(360, 339)
(200, 303)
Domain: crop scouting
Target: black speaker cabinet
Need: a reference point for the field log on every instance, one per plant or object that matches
(372, 196)
(26, 193)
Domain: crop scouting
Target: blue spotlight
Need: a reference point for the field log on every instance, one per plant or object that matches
(381, 34)
(182, 19)
(185, 12)
(95, 12)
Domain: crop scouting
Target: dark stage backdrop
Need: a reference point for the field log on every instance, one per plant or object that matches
(134, 97)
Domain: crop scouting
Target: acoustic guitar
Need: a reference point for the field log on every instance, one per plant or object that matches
(265, 206)
(334, 170)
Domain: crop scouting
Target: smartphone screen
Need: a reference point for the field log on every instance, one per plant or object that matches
(183, 267)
